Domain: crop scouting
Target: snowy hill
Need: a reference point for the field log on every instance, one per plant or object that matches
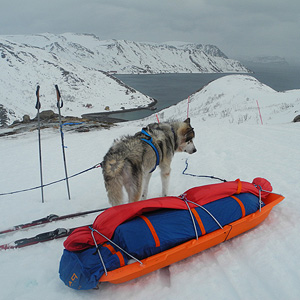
(233, 99)
(263, 263)
(127, 57)
(78, 64)
(84, 89)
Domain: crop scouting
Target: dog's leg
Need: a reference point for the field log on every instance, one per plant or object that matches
(165, 177)
(147, 177)
(133, 188)
(134, 193)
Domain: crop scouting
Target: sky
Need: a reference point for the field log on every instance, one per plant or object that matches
(239, 28)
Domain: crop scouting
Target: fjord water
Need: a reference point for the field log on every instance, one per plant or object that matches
(169, 89)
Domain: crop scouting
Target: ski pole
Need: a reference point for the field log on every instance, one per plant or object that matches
(59, 106)
(38, 106)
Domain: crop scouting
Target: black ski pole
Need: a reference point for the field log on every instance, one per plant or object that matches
(59, 106)
(38, 106)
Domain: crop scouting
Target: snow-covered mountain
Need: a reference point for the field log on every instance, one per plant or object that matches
(238, 99)
(84, 89)
(127, 57)
(79, 63)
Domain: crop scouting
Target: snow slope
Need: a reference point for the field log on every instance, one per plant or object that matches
(234, 99)
(260, 264)
(84, 89)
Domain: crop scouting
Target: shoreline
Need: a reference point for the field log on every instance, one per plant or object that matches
(107, 116)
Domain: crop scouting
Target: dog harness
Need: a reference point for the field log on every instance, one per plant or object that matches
(149, 142)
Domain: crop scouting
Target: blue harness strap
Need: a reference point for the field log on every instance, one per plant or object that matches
(149, 142)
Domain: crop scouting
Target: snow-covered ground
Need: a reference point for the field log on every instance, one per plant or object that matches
(263, 263)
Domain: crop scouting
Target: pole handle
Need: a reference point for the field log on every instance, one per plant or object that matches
(38, 103)
(60, 103)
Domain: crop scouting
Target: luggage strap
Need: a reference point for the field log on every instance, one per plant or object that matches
(113, 252)
(153, 232)
(200, 223)
(240, 204)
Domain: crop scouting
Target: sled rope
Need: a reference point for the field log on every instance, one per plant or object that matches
(259, 194)
(182, 197)
(109, 240)
(51, 183)
(260, 189)
(196, 215)
(99, 253)
(206, 210)
(193, 175)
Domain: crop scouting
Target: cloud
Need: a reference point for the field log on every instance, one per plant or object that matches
(237, 27)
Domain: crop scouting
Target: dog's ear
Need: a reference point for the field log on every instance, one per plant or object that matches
(189, 134)
(188, 121)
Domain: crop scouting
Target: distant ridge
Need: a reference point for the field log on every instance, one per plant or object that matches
(128, 57)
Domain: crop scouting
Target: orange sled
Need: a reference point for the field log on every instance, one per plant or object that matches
(192, 247)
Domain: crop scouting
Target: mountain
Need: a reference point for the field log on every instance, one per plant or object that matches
(128, 57)
(84, 89)
(80, 64)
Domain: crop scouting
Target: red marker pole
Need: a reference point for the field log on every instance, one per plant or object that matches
(188, 107)
(259, 113)
(157, 118)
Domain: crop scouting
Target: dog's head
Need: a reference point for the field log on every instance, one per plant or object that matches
(185, 137)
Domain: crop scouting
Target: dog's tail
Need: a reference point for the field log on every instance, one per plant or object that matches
(114, 188)
(112, 167)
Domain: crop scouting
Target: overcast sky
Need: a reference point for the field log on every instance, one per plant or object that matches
(238, 27)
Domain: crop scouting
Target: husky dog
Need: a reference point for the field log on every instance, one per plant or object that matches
(131, 160)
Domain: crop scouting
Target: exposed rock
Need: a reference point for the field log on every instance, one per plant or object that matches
(26, 119)
(47, 115)
(50, 120)
(297, 119)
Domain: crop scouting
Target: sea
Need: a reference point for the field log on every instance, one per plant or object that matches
(169, 89)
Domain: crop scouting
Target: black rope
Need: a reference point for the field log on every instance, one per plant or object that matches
(53, 182)
(193, 175)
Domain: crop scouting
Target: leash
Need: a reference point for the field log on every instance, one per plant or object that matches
(193, 175)
(149, 142)
(53, 182)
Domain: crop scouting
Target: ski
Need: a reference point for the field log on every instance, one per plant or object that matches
(48, 219)
(40, 238)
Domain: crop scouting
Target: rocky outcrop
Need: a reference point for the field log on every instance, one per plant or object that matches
(297, 119)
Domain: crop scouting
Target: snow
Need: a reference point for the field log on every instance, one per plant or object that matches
(25, 67)
(260, 264)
